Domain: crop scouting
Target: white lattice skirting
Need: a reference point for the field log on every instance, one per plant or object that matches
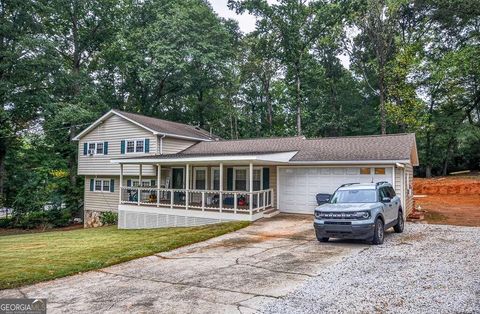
(138, 217)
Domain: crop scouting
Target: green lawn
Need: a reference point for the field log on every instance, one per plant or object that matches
(30, 258)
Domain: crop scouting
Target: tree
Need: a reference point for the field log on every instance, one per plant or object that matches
(297, 24)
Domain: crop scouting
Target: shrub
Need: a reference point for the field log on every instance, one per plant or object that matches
(6, 222)
(108, 218)
(32, 220)
(59, 217)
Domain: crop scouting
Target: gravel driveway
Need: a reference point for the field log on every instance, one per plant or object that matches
(427, 269)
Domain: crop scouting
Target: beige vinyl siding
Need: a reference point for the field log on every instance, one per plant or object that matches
(273, 184)
(114, 130)
(409, 188)
(172, 145)
(101, 201)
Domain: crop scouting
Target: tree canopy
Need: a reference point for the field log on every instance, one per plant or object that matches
(413, 66)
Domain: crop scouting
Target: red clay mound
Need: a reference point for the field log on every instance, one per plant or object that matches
(447, 186)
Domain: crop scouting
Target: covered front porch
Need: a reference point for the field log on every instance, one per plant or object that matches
(196, 191)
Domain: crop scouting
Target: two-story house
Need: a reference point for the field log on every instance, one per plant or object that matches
(158, 173)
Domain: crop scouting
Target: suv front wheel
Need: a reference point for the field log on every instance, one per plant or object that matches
(400, 223)
(379, 232)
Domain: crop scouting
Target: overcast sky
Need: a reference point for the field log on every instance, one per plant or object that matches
(246, 22)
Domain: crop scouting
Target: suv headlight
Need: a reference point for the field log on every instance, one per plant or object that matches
(362, 215)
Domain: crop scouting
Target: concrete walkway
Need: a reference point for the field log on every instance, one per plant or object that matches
(235, 273)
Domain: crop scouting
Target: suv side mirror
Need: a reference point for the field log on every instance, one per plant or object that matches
(386, 200)
(323, 198)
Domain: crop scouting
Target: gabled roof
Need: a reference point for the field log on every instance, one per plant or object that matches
(156, 126)
(370, 148)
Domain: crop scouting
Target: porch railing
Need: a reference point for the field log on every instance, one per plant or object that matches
(204, 200)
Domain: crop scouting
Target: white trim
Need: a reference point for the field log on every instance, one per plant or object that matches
(275, 158)
(350, 162)
(111, 112)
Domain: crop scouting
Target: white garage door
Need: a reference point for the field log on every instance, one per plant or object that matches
(299, 185)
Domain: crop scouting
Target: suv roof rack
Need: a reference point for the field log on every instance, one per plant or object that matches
(381, 182)
(348, 184)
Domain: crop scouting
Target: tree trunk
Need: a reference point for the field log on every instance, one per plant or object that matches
(2, 177)
(383, 115)
(447, 156)
(428, 171)
(201, 114)
(298, 98)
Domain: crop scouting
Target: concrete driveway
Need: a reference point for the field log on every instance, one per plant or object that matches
(237, 272)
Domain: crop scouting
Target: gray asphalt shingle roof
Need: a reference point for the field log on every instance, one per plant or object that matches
(350, 148)
(165, 126)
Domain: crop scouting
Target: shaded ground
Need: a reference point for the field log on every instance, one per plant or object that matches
(13, 231)
(449, 200)
(234, 273)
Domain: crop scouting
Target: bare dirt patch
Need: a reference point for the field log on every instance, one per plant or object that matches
(449, 200)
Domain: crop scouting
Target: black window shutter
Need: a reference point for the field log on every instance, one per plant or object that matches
(122, 147)
(147, 145)
(266, 178)
(92, 182)
(105, 148)
(112, 185)
(129, 182)
(229, 179)
(152, 182)
(85, 148)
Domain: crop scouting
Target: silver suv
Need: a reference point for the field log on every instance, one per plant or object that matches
(359, 211)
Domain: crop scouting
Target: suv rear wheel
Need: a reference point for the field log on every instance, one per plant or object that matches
(400, 223)
(379, 232)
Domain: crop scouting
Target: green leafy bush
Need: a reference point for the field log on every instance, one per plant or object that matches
(108, 218)
(32, 220)
(59, 217)
(6, 222)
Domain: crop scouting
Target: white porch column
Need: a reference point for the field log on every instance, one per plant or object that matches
(187, 184)
(159, 178)
(121, 184)
(250, 179)
(220, 201)
(139, 193)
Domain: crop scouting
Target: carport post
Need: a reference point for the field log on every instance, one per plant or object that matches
(220, 201)
(250, 179)
(159, 177)
(187, 185)
(121, 183)
(139, 193)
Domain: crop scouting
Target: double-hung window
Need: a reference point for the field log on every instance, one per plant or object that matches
(135, 146)
(240, 179)
(102, 185)
(200, 178)
(96, 148)
(215, 181)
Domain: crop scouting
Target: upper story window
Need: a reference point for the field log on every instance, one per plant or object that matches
(135, 146)
(95, 148)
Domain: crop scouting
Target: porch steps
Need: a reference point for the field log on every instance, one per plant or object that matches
(270, 212)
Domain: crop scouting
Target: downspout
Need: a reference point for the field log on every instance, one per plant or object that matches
(161, 143)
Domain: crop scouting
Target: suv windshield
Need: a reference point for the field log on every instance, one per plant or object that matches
(354, 196)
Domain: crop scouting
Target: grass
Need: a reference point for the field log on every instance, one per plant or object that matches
(31, 258)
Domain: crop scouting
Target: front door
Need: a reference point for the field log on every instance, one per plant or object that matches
(177, 183)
